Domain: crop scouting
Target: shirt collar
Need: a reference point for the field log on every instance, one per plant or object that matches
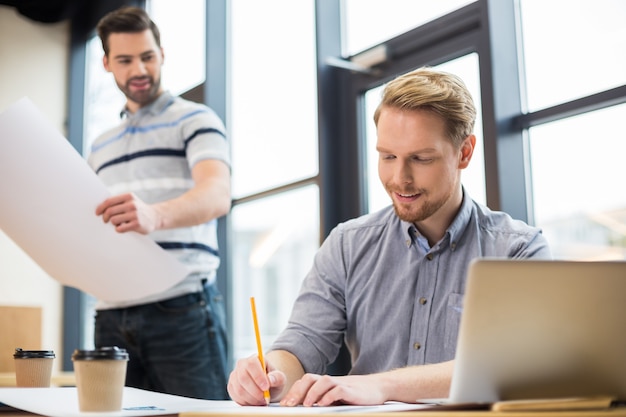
(458, 224)
(154, 108)
(462, 218)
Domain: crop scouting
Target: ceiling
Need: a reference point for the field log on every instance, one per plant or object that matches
(83, 14)
(47, 11)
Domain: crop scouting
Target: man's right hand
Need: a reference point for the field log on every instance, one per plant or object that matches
(248, 381)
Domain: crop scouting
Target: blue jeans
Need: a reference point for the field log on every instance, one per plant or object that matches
(176, 346)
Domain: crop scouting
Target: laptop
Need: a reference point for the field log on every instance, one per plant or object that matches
(538, 329)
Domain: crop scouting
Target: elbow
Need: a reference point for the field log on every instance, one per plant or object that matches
(224, 207)
(220, 206)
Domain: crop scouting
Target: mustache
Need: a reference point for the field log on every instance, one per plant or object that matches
(139, 78)
(405, 191)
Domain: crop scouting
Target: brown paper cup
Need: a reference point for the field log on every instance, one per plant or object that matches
(100, 379)
(33, 368)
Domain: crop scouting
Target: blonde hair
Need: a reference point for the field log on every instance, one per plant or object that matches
(440, 92)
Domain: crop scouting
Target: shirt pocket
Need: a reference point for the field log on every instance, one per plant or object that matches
(453, 320)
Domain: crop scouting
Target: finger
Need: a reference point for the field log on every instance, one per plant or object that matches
(299, 390)
(111, 201)
(122, 217)
(335, 396)
(132, 225)
(244, 382)
(239, 391)
(318, 390)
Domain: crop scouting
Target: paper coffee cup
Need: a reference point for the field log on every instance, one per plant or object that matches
(100, 376)
(33, 368)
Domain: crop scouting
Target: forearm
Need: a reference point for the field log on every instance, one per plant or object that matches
(415, 382)
(201, 204)
(209, 199)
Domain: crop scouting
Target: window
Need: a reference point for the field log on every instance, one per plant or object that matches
(370, 22)
(274, 240)
(577, 175)
(572, 48)
(275, 220)
(273, 94)
(184, 49)
(564, 129)
(575, 162)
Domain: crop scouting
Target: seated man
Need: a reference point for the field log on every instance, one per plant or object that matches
(391, 283)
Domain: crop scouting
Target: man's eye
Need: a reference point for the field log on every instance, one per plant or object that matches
(124, 61)
(147, 58)
(422, 160)
(387, 157)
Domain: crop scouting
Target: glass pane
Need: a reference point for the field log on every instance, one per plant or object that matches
(275, 241)
(473, 177)
(370, 22)
(578, 183)
(183, 38)
(572, 48)
(103, 100)
(273, 123)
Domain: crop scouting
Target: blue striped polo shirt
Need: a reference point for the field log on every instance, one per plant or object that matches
(151, 154)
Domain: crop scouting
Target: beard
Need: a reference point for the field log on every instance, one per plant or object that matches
(142, 97)
(419, 210)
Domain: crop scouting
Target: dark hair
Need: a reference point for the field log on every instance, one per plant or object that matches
(126, 20)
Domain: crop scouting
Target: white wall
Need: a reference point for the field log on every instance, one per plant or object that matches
(33, 63)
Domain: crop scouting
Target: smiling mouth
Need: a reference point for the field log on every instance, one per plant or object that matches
(140, 83)
(406, 198)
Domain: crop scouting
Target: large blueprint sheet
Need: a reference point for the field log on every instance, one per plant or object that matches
(48, 196)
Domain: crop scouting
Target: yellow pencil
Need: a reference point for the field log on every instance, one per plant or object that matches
(266, 393)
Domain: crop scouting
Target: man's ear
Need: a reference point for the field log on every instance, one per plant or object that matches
(467, 150)
(105, 63)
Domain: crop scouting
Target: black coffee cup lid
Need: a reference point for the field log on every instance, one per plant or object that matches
(27, 354)
(107, 352)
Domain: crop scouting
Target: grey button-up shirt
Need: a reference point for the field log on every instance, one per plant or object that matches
(394, 300)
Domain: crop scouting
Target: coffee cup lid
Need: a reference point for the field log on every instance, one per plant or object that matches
(106, 352)
(27, 354)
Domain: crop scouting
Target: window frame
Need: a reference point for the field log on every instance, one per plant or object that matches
(486, 27)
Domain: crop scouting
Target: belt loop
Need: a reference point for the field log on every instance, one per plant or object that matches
(205, 290)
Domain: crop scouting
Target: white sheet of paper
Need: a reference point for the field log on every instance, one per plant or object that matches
(48, 197)
(63, 402)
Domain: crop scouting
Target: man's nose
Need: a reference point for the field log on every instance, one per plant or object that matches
(404, 174)
(139, 68)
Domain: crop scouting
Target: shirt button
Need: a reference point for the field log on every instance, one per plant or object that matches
(453, 245)
(423, 300)
(408, 242)
(417, 345)
(429, 256)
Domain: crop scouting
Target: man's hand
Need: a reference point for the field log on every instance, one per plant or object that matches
(248, 381)
(128, 213)
(325, 390)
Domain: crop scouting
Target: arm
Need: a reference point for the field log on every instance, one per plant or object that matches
(404, 384)
(207, 200)
(248, 381)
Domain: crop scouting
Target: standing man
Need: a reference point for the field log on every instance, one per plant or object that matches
(167, 165)
(391, 283)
